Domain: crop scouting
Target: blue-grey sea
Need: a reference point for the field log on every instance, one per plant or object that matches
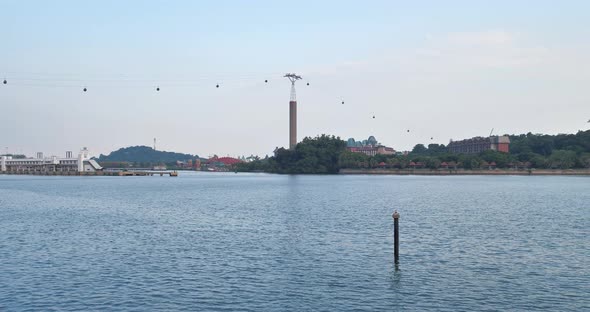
(258, 242)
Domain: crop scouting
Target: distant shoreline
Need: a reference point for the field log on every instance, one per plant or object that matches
(423, 172)
(171, 173)
(447, 172)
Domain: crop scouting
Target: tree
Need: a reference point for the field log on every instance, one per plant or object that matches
(469, 161)
(312, 155)
(538, 161)
(373, 162)
(437, 149)
(562, 159)
(404, 162)
(585, 160)
(352, 160)
(501, 159)
(432, 163)
(419, 149)
(393, 162)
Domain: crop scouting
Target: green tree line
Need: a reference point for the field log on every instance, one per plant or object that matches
(328, 154)
(540, 151)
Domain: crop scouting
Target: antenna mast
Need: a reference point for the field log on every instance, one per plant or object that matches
(154, 144)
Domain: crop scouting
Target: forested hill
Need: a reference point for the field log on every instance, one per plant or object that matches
(144, 154)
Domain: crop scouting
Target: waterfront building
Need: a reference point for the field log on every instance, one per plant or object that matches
(221, 163)
(41, 164)
(189, 164)
(477, 145)
(369, 147)
(228, 161)
(372, 150)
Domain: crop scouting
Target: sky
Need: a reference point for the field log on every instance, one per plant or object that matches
(441, 69)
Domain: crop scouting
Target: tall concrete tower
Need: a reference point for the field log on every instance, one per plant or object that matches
(292, 111)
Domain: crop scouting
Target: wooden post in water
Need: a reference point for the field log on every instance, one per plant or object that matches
(396, 236)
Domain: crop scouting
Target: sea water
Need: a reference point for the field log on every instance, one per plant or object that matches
(258, 242)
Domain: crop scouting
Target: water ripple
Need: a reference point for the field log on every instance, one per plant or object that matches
(255, 242)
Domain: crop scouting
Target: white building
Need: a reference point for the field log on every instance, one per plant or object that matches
(41, 164)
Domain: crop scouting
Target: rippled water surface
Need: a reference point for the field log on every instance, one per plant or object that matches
(255, 242)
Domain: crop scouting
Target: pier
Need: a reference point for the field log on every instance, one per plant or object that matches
(147, 173)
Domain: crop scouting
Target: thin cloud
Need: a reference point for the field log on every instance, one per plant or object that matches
(450, 52)
(482, 38)
(485, 49)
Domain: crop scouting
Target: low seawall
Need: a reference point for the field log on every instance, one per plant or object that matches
(568, 172)
(92, 173)
(60, 173)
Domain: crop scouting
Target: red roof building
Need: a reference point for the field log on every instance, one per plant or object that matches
(227, 161)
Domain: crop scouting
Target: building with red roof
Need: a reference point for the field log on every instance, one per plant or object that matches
(221, 163)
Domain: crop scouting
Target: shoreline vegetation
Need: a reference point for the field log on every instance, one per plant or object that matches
(374, 171)
(463, 172)
(530, 154)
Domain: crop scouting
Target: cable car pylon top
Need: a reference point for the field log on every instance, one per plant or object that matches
(293, 78)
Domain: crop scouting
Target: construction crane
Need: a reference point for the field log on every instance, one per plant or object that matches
(491, 131)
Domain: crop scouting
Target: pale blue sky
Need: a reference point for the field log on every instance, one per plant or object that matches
(443, 69)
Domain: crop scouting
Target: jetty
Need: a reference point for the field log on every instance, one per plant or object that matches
(148, 173)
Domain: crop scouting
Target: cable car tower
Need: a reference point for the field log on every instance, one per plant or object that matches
(292, 111)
